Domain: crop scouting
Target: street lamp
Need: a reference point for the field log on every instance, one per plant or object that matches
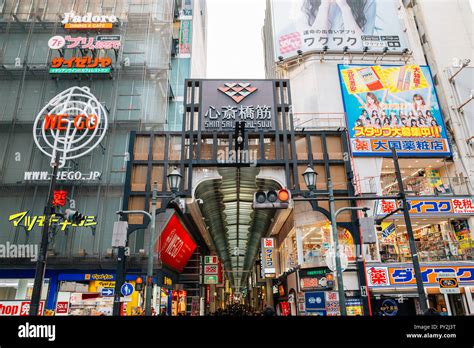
(310, 177)
(310, 180)
(174, 180)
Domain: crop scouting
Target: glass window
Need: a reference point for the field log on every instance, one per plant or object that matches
(139, 176)
(301, 148)
(206, 148)
(157, 175)
(269, 148)
(159, 148)
(142, 145)
(175, 148)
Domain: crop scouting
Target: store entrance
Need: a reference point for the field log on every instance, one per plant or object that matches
(456, 304)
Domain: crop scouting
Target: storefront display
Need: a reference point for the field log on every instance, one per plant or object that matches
(446, 240)
(178, 304)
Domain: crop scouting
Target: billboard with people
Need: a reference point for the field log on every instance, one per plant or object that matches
(392, 106)
(333, 25)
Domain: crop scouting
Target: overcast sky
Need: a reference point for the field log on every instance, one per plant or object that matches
(234, 42)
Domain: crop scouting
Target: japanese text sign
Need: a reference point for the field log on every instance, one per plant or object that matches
(392, 106)
(315, 25)
(226, 102)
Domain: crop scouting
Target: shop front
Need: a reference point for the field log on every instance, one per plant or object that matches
(393, 288)
(92, 294)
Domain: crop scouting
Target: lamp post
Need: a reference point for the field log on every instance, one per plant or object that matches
(174, 182)
(310, 177)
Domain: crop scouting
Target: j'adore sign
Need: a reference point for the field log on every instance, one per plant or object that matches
(89, 21)
(226, 102)
(71, 125)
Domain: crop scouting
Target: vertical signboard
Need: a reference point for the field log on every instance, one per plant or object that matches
(185, 39)
(269, 257)
(393, 106)
(309, 25)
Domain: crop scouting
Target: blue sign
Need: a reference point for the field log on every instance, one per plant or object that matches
(126, 289)
(107, 292)
(314, 301)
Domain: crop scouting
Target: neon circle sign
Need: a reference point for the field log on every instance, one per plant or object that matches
(71, 125)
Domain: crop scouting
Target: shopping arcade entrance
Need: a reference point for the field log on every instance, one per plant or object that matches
(218, 190)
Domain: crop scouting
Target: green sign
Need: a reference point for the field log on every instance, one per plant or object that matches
(319, 272)
(210, 279)
(210, 260)
(79, 70)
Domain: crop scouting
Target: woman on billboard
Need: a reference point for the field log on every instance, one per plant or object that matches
(356, 16)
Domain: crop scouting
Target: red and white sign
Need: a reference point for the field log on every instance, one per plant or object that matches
(377, 276)
(17, 308)
(211, 269)
(268, 242)
(62, 307)
(177, 246)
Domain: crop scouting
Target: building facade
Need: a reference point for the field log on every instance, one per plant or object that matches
(387, 78)
(131, 57)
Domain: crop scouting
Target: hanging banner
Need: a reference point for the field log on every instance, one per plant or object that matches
(392, 106)
(185, 39)
(308, 25)
(177, 245)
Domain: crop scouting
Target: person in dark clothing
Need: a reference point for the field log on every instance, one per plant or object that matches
(268, 312)
(431, 311)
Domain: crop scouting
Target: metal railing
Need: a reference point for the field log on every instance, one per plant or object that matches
(315, 121)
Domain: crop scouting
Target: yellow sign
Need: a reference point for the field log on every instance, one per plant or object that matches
(105, 284)
(23, 219)
(394, 79)
(167, 281)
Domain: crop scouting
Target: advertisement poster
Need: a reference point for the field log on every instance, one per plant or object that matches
(332, 303)
(392, 106)
(311, 25)
(388, 233)
(185, 39)
(463, 234)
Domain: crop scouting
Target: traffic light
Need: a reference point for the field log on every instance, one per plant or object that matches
(271, 199)
(139, 284)
(378, 225)
(73, 216)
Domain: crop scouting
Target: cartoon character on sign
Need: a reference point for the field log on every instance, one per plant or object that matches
(70, 126)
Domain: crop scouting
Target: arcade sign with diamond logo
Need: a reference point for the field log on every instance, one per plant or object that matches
(226, 102)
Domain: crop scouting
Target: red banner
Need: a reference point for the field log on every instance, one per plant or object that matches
(177, 246)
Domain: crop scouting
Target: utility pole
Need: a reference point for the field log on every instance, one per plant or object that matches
(151, 239)
(43, 254)
(120, 275)
(340, 282)
(411, 238)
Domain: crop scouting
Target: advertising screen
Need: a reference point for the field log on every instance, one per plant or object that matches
(310, 25)
(392, 106)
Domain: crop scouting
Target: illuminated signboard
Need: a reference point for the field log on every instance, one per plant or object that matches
(446, 206)
(177, 246)
(73, 123)
(100, 42)
(80, 65)
(29, 222)
(73, 21)
(392, 106)
(269, 261)
(403, 275)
